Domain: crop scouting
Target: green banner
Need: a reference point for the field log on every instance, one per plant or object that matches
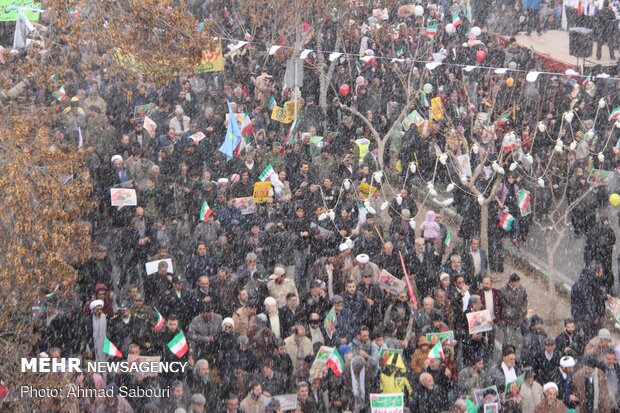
(8, 10)
(386, 403)
(443, 336)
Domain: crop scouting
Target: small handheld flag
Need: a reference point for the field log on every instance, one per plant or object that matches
(160, 321)
(178, 345)
(267, 172)
(336, 363)
(436, 352)
(205, 211)
(506, 221)
(109, 349)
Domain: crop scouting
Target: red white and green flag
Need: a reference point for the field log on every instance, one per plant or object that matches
(335, 362)
(431, 30)
(61, 94)
(524, 200)
(436, 352)
(506, 221)
(330, 323)
(160, 321)
(271, 103)
(109, 349)
(456, 20)
(504, 118)
(290, 137)
(178, 345)
(247, 133)
(615, 114)
(267, 172)
(205, 211)
(509, 142)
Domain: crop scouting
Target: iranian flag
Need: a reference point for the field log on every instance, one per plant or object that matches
(61, 94)
(524, 202)
(289, 139)
(109, 349)
(271, 103)
(205, 211)
(178, 345)
(448, 238)
(506, 221)
(335, 362)
(267, 172)
(247, 133)
(436, 352)
(615, 114)
(160, 321)
(431, 30)
(330, 323)
(503, 119)
(456, 20)
(509, 142)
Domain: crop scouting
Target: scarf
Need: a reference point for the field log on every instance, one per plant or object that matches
(359, 390)
(509, 373)
(596, 391)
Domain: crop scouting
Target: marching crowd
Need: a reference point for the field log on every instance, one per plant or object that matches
(257, 289)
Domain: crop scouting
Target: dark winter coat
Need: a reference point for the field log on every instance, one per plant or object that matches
(587, 298)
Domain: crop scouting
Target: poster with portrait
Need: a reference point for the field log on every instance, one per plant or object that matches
(245, 205)
(391, 284)
(486, 396)
(123, 197)
(479, 321)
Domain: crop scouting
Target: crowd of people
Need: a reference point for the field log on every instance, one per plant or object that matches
(258, 288)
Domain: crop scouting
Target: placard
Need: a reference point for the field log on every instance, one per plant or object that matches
(211, 61)
(261, 192)
(245, 205)
(443, 336)
(486, 395)
(479, 321)
(123, 197)
(287, 402)
(386, 403)
(147, 360)
(391, 284)
(319, 365)
(151, 267)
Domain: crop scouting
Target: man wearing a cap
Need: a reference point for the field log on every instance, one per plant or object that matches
(563, 377)
(345, 324)
(362, 262)
(279, 286)
(591, 388)
(125, 328)
(598, 346)
(197, 403)
(179, 301)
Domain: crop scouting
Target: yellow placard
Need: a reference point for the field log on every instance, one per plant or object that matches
(211, 61)
(366, 190)
(261, 192)
(289, 107)
(437, 108)
(279, 114)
